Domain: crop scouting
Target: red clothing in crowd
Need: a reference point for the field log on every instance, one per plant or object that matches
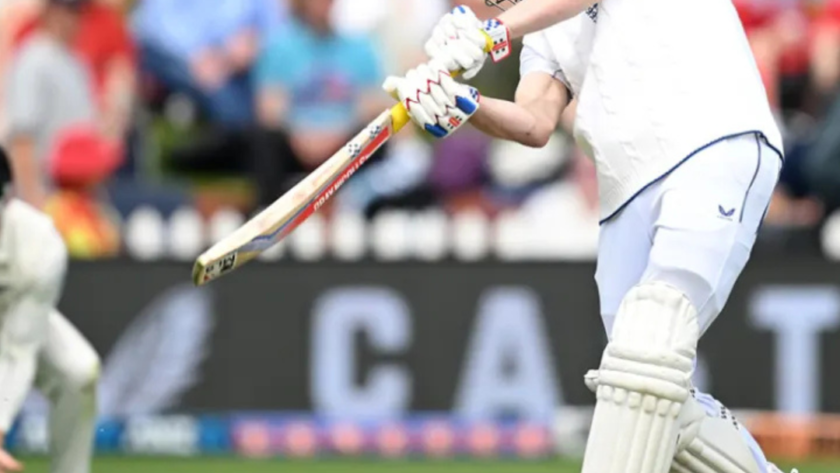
(830, 14)
(757, 14)
(765, 20)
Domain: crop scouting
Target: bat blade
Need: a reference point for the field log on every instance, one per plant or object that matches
(293, 208)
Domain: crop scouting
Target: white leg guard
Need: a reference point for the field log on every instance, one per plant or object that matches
(715, 442)
(643, 383)
(709, 442)
(717, 448)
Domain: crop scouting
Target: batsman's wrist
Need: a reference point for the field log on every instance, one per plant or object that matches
(498, 39)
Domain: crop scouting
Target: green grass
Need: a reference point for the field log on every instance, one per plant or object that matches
(232, 465)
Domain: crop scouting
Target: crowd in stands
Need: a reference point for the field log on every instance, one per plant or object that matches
(115, 108)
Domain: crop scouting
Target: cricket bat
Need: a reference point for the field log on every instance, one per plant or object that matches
(284, 215)
(278, 220)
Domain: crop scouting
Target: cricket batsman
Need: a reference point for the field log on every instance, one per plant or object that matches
(671, 108)
(37, 344)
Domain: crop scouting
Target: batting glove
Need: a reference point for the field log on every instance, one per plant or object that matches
(434, 101)
(461, 41)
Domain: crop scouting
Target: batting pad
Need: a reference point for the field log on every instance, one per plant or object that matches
(643, 383)
(717, 448)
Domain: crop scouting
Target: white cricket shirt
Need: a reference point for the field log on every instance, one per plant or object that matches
(656, 81)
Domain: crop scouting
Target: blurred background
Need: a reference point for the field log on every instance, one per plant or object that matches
(441, 306)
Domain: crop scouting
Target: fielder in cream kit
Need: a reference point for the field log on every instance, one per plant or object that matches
(670, 106)
(38, 345)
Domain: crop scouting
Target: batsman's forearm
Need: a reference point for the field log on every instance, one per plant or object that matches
(530, 16)
(510, 121)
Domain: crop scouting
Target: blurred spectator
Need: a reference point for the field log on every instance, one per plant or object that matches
(778, 34)
(401, 42)
(206, 50)
(809, 187)
(825, 50)
(13, 14)
(105, 45)
(400, 180)
(49, 90)
(315, 89)
(459, 172)
(87, 222)
(516, 172)
(564, 215)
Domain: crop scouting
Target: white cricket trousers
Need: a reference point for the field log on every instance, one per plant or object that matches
(694, 230)
(67, 368)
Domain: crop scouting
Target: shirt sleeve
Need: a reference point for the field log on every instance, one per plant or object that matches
(535, 57)
(25, 97)
(273, 64)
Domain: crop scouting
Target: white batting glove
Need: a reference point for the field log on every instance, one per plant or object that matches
(460, 41)
(434, 101)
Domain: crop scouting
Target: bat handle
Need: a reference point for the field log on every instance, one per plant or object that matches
(399, 117)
